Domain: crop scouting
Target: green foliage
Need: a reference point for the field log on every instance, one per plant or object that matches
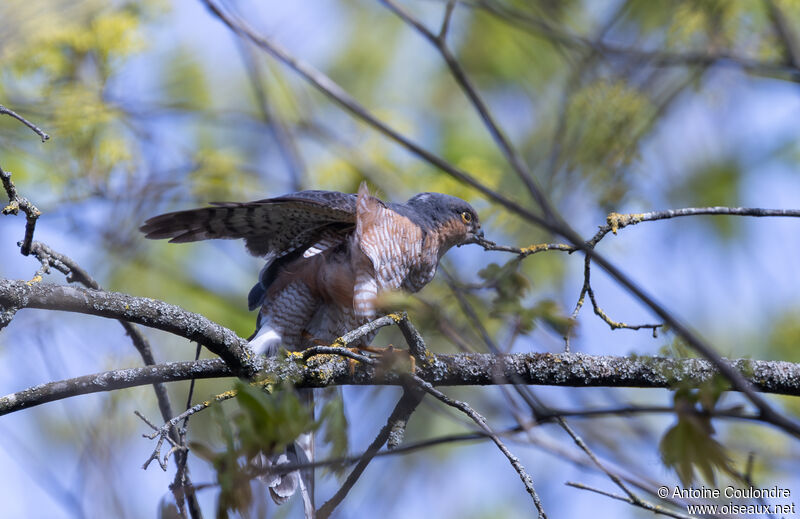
(784, 336)
(335, 429)
(183, 80)
(689, 446)
(605, 119)
(678, 349)
(552, 315)
(59, 66)
(510, 287)
(265, 423)
(696, 23)
(497, 57)
(361, 63)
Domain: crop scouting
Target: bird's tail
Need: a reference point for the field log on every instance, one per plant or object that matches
(266, 340)
(283, 486)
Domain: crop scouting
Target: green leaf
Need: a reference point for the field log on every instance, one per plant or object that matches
(335, 429)
(689, 446)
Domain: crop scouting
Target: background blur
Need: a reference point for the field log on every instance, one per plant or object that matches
(155, 106)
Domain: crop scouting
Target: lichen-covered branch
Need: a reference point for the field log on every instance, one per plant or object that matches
(113, 380)
(463, 369)
(16, 295)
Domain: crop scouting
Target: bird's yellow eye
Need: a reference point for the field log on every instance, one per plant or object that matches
(466, 217)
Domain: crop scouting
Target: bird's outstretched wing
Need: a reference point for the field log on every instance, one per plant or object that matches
(275, 226)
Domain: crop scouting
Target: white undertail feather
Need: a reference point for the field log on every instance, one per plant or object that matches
(266, 341)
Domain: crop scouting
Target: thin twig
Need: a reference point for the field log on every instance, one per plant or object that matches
(15, 115)
(162, 433)
(481, 421)
(641, 504)
(448, 15)
(585, 448)
(280, 132)
(459, 74)
(523, 252)
(15, 203)
(586, 289)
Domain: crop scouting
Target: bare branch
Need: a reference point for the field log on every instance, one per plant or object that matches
(448, 15)
(15, 203)
(641, 504)
(15, 115)
(463, 369)
(481, 421)
(112, 380)
(585, 448)
(523, 252)
(617, 221)
(162, 433)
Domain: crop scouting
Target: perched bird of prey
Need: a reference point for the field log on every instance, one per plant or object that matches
(329, 255)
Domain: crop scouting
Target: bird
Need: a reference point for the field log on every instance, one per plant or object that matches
(329, 257)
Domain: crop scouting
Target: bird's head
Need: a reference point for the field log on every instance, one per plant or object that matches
(454, 219)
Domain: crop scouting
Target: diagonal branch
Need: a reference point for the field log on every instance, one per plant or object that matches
(33, 127)
(481, 421)
(405, 406)
(460, 76)
(641, 504)
(339, 96)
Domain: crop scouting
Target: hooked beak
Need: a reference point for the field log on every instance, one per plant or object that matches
(477, 237)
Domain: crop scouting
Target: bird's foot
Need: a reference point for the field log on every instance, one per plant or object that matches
(388, 355)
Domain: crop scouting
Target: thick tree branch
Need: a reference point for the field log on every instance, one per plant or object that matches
(15, 295)
(463, 369)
